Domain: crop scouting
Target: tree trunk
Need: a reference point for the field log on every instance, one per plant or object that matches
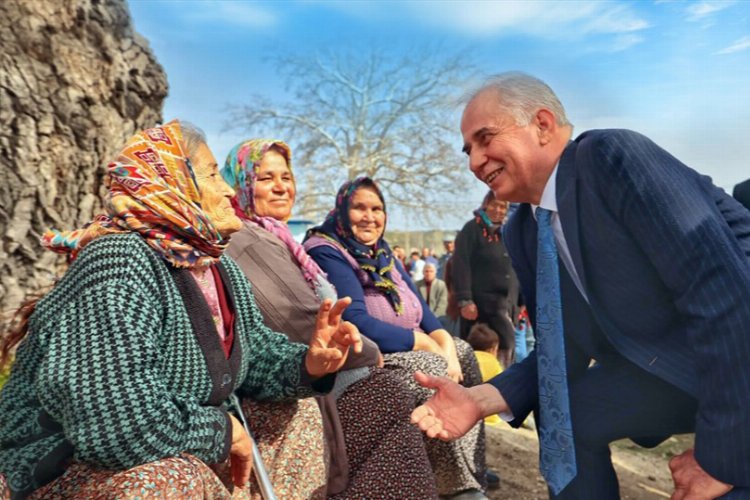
(75, 82)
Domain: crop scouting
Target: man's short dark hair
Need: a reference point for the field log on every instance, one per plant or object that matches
(482, 337)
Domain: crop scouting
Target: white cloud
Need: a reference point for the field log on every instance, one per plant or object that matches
(624, 42)
(245, 14)
(698, 11)
(614, 19)
(546, 19)
(741, 44)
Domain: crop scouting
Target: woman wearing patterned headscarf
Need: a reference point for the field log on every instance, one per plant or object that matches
(386, 307)
(484, 283)
(389, 458)
(122, 383)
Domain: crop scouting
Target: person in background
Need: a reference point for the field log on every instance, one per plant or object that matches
(486, 345)
(125, 370)
(433, 291)
(416, 267)
(452, 319)
(386, 307)
(399, 253)
(524, 335)
(449, 245)
(483, 279)
(427, 256)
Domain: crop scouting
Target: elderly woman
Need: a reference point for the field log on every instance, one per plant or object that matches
(387, 308)
(484, 283)
(121, 384)
(388, 461)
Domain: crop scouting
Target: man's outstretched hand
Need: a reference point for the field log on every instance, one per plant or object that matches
(450, 413)
(691, 482)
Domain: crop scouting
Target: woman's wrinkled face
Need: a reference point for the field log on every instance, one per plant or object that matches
(215, 193)
(367, 216)
(274, 187)
(496, 211)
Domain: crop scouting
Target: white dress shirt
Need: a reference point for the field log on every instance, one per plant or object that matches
(549, 202)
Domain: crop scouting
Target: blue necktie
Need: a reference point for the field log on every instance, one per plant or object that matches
(558, 459)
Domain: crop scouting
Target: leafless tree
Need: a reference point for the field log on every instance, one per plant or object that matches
(352, 114)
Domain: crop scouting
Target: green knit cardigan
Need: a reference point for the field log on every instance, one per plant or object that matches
(113, 373)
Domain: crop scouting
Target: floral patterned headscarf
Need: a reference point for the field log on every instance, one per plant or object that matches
(152, 191)
(376, 260)
(241, 172)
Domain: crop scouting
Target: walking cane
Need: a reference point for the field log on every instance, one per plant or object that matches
(259, 468)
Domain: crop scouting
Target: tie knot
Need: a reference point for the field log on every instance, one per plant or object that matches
(543, 216)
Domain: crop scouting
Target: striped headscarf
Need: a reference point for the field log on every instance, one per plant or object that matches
(152, 191)
(376, 260)
(240, 171)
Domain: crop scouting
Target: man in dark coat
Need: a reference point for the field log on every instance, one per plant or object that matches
(654, 283)
(741, 193)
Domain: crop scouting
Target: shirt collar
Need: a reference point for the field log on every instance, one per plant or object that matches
(549, 195)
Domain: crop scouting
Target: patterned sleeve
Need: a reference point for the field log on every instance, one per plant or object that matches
(275, 366)
(101, 376)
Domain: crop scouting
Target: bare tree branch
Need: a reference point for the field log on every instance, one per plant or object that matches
(356, 114)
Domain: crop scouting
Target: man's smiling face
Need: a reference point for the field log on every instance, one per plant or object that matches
(502, 154)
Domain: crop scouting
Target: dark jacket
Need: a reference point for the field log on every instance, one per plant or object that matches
(663, 256)
(482, 272)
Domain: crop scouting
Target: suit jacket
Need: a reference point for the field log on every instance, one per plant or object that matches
(438, 298)
(741, 193)
(663, 256)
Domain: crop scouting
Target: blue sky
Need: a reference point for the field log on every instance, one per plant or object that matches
(676, 71)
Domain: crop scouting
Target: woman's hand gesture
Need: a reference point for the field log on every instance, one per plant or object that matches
(331, 340)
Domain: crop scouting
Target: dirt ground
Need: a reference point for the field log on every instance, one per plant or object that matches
(643, 474)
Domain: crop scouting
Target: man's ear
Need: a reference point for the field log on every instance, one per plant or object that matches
(546, 125)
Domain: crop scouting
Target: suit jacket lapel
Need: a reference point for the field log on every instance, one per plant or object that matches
(567, 201)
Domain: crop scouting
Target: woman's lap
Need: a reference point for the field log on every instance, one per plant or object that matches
(386, 454)
(289, 436)
(175, 477)
(459, 464)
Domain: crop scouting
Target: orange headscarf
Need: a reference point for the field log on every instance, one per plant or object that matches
(152, 191)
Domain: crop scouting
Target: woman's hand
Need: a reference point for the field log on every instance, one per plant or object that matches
(470, 312)
(241, 454)
(448, 345)
(454, 370)
(381, 360)
(329, 345)
(423, 342)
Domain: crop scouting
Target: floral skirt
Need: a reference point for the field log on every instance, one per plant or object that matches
(386, 453)
(458, 465)
(289, 436)
(291, 440)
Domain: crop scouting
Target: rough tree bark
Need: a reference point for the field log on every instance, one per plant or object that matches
(75, 82)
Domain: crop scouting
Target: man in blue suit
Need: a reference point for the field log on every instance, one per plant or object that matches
(654, 283)
(741, 193)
